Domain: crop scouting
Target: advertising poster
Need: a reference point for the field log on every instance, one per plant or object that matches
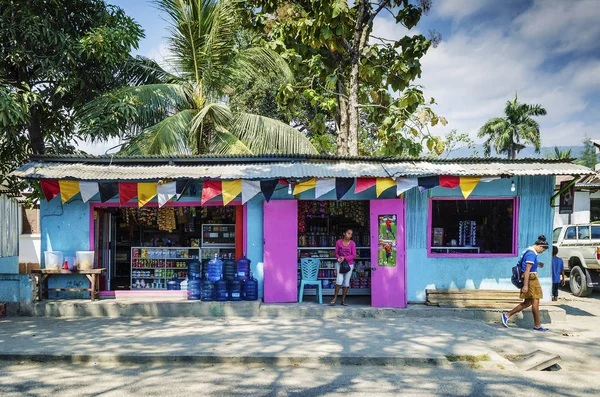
(387, 240)
(566, 199)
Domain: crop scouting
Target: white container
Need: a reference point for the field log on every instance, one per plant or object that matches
(53, 260)
(85, 260)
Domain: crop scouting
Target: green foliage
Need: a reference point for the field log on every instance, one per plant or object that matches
(560, 154)
(186, 111)
(54, 56)
(588, 158)
(325, 44)
(511, 133)
(456, 141)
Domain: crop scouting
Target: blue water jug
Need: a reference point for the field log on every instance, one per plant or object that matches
(207, 290)
(235, 290)
(215, 269)
(229, 269)
(195, 268)
(193, 292)
(250, 288)
(173, 284)
(243, 268)
(221, 290)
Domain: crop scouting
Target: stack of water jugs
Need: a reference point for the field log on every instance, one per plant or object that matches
(223, 280)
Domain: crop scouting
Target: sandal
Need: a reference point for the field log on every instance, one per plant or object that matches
(344, 304)
(332, 303)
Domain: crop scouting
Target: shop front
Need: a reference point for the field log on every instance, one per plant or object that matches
(417, 224)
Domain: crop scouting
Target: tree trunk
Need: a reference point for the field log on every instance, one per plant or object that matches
(342, 119)
(35, 132)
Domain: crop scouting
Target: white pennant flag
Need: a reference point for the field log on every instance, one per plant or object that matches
(404, 184)
(88, 190)
(324, 186)
(166, 191)
(493, 178)
(249, 190)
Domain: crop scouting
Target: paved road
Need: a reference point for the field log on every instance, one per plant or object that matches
(228, 380)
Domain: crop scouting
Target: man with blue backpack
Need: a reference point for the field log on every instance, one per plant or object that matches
(531, 290)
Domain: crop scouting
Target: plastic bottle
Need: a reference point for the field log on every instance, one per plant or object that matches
(215, 269)
(250, 288)
(243, 268)
(234, 288)
(229, 269)
(221, 290)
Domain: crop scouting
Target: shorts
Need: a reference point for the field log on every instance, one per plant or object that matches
(388, 255)
(343, 279)
(388, 229)
(534, 290)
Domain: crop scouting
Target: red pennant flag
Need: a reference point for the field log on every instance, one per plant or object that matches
(50, 188)
(363, 184)
(127, 191)
(449, 181)
(211, 189)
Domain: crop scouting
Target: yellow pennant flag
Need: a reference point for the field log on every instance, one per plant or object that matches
(146, 192)
(230, 190)
(383, 184)
(68, 189)
(467, 185)
(304, 186)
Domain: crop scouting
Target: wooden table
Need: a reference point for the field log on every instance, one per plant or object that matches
(93, 275)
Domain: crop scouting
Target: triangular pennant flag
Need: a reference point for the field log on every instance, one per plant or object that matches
(324, 186)
(428, 182)
(449, 181)
(68, 190)
(489, 179)
(268, 187)
(166, 191)
(181, 187)
(108, 190)
(127, 191)
(88, 190)
(249, 190)
(210, 189)
(383, 184)
(304, 186)
(342, 185)
(404, 184)
(146, 192)
(363, 184)
(231, 189)
(50, 188)
(467, 185)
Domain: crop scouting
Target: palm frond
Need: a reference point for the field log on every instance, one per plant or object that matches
(142, 71)
(265, 135)
(211, 117)
(224, 142)
(258, 64)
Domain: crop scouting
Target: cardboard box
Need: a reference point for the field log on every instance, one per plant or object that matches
(26, 268)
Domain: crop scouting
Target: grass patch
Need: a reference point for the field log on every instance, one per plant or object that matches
(471, 359)
(501, 366)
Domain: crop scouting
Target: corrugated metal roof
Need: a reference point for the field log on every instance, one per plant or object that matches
(96, 168)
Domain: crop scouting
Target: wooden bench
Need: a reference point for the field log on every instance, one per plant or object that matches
(473, 298)
(41, 275)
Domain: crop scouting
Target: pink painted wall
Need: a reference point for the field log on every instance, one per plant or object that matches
(388, 284)
(280, 251)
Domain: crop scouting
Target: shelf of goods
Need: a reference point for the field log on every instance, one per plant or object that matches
(151, 267)
(360, 281)
(218, 236)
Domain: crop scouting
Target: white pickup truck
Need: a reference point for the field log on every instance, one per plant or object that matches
(579, 248)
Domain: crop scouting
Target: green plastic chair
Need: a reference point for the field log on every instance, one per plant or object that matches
(310, 276)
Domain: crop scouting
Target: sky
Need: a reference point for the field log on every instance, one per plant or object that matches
(547, 51)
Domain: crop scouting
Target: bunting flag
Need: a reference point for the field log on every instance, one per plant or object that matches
(108, 190)
(68, 190)
(467, 185)
(428, 182)
(210, 190)
(88, 190)
(489, 179)
(181, 187)
(324, 186)
(166, 191)
(363, 184)
(146, 192)
(383, 184)
(231, 189)
(127, 191)
(249, 190)
(449, 181)
(268, 188)
(405, 184)
(304, 186)
(50, 188)
(342, 185)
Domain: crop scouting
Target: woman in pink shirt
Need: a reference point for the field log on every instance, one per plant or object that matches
(344, 249)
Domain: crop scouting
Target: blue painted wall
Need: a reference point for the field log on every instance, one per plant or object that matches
(66, 228)
(254, 239)
(9, 265)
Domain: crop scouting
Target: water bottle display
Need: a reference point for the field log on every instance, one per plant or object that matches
(229, 268)
(234, 288)
(243, 268)
(215, 269)
(195, 269)
(193, 292)
(173, 284)
(207, 290)
(221, 292)
(250, 288)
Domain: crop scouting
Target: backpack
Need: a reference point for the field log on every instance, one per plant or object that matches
(517, 274)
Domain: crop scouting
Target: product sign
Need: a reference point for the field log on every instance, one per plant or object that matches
(387, 240)
(566, 199)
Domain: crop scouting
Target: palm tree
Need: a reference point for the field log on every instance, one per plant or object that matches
(509, 135)
(185, 111)
(560, 154)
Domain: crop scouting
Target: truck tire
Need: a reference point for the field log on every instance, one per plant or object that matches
(578, 282)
